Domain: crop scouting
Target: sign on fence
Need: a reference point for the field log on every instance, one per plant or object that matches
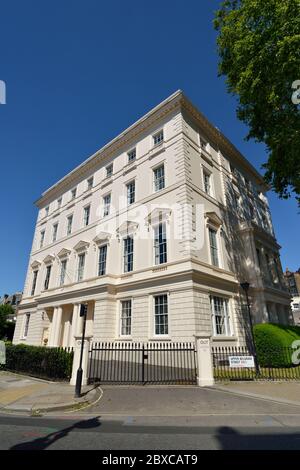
(2, 353)
(241, 361)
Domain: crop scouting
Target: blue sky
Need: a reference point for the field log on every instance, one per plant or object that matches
(78, 73)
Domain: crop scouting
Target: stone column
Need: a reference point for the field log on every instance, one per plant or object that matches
(205, 375)
(56, 336)
(76, 360)
(75, 317)
(52, 327)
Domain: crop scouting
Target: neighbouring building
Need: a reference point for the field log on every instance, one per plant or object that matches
(13, 300)
(155, 231)
(293, 284)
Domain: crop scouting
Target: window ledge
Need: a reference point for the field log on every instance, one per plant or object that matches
(160, 338)
(224, 338)
(156, 150)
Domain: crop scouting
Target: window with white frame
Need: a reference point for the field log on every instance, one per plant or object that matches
(159, 178)
(109, 170)
(213, 243)
(90, 183)
(73, 193)
(207, 182)
(161, 323)
(42, 238)
(220, 316)
(63, 270)
(35, 274)
(160, 243)
(80, 268)
(86, 215)
(130, 187)
(125, 326)
(128, 254)
(102, 260)
(69, 224)
(26, 325)
(47, 277)
(106, 205)
(46, 211)
(54, 233)
(59, 202)
(158, 137)
(131, 155)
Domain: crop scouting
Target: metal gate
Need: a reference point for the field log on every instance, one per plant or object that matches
(142, 363)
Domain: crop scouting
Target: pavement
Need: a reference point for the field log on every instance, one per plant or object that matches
(26, 395)
(23, 394)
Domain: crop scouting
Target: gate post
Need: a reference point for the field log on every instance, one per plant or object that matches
(76, 360)
(205, 375)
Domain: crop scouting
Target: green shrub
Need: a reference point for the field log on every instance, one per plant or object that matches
(273, 344)
(39, 361)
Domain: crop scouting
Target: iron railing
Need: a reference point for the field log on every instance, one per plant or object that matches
(274, 364)
(141, 363)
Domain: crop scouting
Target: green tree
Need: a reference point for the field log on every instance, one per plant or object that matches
(259, 50)
(5, 310)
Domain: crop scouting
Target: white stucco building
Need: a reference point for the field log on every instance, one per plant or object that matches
(124, 232)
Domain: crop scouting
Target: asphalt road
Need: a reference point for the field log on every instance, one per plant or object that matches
(154, 419)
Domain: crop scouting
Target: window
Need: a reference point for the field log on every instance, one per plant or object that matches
(59, 202)
(81, 262)
(269, 268)
(73, 193)
(86, 215)
(47, 278)
(90, 183)
(35, 273)
(102, 260)
(109, 170)
(69, 224)
(161, 314)
(42, 239)
(46, 211)
(125, 318)
(203, 143)
(220, 316)
(207, 182)
(54, 233)
(130, 192)
(158, 137)
(258, 257)
(159, 178)
(106, 205)
(63, 270)
(131, 155)
(213, 247)
(128, 254)
(26, 325)
(160, 243)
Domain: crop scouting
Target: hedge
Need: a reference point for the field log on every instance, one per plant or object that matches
(39, 361)
(274, 344)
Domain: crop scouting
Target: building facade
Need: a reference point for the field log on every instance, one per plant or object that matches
(12, 300)
(292, 280)
(155, 232)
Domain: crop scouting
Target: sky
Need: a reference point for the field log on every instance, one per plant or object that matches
(77, 73)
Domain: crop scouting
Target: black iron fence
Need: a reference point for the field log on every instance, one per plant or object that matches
(141, 363)
(237, 363)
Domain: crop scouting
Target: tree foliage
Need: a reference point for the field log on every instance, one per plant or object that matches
(5, 310)
(259, 50)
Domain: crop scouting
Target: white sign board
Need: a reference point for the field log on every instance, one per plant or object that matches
(241, 361)
(2, 353)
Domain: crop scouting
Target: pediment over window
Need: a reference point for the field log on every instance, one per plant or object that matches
(127, 228)
(102, 237)
(158, 215)
(35, 264)
(49, 259)
(81, 246)
(63, 253)
(213, 218)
